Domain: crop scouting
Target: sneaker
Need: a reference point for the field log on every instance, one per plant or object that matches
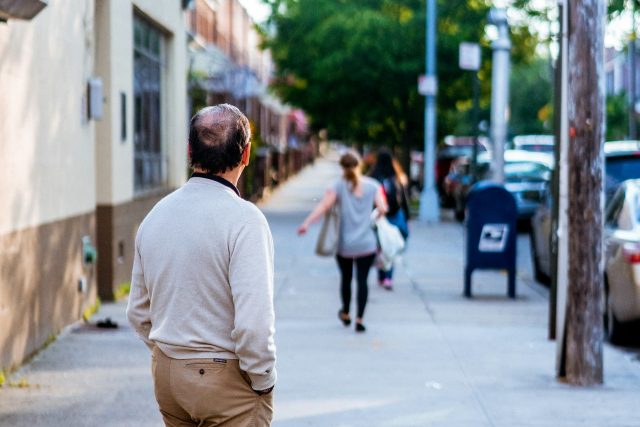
(387, 284)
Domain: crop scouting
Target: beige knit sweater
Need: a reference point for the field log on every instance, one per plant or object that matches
(202, 281)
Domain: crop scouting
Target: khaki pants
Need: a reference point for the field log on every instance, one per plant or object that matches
(207, 393)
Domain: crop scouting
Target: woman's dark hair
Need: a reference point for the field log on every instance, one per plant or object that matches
(350, 162)
(218, 137)
(384, 165)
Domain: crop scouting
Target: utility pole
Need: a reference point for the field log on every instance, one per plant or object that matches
(429, 204)
(499, 90)
(633, 127)
(583, 328)
(561, 134)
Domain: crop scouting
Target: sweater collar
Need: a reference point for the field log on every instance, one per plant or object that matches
(217, 179)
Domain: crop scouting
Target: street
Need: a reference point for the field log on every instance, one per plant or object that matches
(430, 357)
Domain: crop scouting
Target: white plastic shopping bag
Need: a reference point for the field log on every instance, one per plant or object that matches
(389, 238)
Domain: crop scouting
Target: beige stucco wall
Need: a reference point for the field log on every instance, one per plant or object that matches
(114, 34)
(47, 153)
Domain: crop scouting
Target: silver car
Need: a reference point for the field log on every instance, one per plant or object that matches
(526, 177)
(622, 162)
(622, 258)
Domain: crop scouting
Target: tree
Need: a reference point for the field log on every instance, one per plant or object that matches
(617, 117)
(531, 90)
(353, 65)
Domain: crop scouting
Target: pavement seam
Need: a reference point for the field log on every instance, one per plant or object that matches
(423, 297)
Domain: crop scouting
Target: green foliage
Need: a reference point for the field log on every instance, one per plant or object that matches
(353, 65)
(22, 383)
(531, 98)
(196, 92)
(615, 7)
(122, 291)
(249, 173)
(91, 310)
(617, 117)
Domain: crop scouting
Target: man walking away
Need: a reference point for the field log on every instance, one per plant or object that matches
(202, 287)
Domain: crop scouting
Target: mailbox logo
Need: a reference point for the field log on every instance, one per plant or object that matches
(493, 238)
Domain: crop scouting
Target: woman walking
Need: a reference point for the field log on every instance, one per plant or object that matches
(388, 172)
(356, 196)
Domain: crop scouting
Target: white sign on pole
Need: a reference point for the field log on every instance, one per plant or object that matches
(470, 56)
(427, 85)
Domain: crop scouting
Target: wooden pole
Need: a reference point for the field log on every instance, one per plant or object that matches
(633, 127)
(555, 191)
(584, 326)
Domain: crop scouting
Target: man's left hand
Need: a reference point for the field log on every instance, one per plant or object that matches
(265, 391)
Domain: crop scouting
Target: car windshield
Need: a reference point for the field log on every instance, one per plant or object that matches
(540, 148)
(619, 169)
(459, 151)
(526, 171)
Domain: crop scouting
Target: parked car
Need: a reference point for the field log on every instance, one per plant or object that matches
(540, 240)
(622, 259)
(622, 162)
(537, 143)
(526, 175)
(454, 149)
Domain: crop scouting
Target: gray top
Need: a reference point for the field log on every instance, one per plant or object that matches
(357, 238)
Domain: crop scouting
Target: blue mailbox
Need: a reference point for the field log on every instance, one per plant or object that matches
(492, 217)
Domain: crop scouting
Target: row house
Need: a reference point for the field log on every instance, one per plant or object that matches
(93, 124)
(227, 65)
(616, 71)
(96, 100)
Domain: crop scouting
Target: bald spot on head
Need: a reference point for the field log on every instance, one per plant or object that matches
(214, 125)
(218, 136)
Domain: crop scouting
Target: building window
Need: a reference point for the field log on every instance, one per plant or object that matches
(610, 81)
(149, 162)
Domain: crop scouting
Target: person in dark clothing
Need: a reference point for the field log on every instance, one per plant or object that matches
(390, 175)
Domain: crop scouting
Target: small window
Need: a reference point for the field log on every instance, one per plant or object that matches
(123, 116)
(149, 163)
(613, 208)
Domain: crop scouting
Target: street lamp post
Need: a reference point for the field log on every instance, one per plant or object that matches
(470, 59)
(499, 90)
(429, 204)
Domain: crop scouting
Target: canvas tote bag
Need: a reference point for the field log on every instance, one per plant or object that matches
(327, 244)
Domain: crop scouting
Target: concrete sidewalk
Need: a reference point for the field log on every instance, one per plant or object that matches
(429, 357)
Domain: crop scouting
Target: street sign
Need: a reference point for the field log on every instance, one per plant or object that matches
(470, 57)
(427, 85)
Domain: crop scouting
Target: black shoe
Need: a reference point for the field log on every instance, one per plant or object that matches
(107, 323)
(344, 318)
(360, 327)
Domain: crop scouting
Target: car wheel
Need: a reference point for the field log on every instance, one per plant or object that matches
(612, 326)
(537, 271)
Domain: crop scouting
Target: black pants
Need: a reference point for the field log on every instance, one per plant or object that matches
(363, 265)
